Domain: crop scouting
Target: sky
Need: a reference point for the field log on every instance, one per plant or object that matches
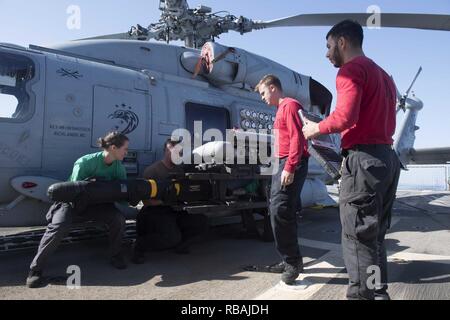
(399, 51)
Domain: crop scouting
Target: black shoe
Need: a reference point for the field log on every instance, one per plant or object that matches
(300, 267)
(280, 266)
(118, 262)
(34, 279)
(291, 273)
(276, 267)
(138, 257)
(382, 295)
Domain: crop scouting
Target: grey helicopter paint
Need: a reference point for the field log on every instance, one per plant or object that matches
(70, 95)
(80, 98)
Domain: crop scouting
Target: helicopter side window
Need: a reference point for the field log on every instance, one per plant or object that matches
(210, 117)
(15, 74)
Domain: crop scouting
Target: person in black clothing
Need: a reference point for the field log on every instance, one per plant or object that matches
(365, 116)
(158, 226)
(288, 180)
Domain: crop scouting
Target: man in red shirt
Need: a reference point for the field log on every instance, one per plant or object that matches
(288, 181)
(365, 117)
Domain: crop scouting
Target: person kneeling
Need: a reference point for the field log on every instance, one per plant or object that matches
(106, 165)
(159, 227)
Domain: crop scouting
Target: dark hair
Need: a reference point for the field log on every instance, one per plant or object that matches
(172, 142)
(350, 30)
(112, 139)
(269, 80)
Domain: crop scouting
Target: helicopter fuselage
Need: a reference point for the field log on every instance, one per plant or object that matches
(69, 96)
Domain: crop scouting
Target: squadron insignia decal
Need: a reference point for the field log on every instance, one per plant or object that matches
(69, 73)
(127, 120)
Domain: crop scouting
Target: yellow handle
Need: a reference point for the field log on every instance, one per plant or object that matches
(154, 187)
(177, 188)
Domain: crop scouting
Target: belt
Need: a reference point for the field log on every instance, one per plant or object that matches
(301, 159)
(366, 147)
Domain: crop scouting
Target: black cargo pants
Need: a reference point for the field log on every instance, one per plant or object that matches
(284, 202)
(370, 176)
(60, 217)
(161, 228)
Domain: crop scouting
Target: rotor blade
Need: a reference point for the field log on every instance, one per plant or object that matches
(223, 55)
(394, 20)
(119, 36)
(414, 81)
(430, 156)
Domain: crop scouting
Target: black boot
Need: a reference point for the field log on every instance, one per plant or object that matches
(276, 268)
(34, 279)
(381, 295)
(291, 272)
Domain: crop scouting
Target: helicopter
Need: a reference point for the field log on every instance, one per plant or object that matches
(68, 95)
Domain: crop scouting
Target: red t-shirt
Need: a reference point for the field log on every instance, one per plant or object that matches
(291, 142)
(365, 108)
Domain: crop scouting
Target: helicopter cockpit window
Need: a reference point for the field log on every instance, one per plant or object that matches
(15, 74)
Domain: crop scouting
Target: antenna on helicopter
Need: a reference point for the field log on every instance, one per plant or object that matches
(402, 102)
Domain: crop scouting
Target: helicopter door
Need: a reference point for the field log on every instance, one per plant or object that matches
(124, 111)
(22, 88)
